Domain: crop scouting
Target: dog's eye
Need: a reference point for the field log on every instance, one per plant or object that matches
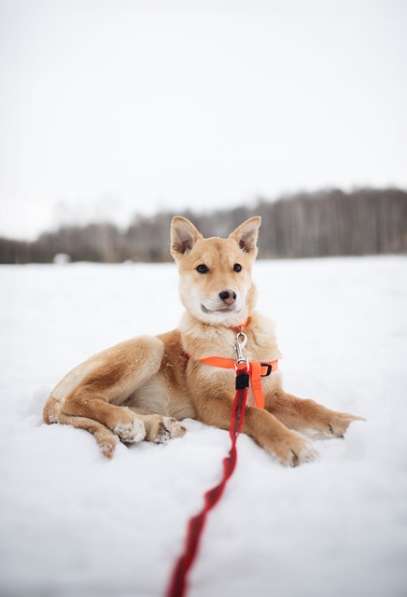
(237, 267)
(202, 268)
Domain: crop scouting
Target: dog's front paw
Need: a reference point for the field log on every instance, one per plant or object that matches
(335, 424)
(130, 428)
(292, 449)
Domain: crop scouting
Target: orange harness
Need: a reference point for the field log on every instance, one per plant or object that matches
(256, 372)
(256, 369)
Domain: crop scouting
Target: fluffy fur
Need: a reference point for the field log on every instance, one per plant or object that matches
(141, 389)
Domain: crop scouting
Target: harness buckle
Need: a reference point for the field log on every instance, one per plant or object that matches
(269, 369)
(242, 381)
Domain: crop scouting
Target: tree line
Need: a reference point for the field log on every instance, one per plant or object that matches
(322, 223)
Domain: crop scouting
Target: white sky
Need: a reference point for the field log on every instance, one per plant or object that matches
(113, 107)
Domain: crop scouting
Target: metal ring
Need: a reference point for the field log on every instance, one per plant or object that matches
(242, 339)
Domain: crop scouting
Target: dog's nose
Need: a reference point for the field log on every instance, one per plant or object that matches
(228, 296)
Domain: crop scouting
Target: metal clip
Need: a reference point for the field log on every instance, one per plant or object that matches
(241, 341)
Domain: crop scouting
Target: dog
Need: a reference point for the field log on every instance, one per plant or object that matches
(142, 388)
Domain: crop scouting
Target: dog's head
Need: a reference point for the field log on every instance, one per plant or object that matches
(215, 273)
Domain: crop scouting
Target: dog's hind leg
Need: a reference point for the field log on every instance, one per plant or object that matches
(119, 372)
(105, 438)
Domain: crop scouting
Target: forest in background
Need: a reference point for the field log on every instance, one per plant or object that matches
(321, 223)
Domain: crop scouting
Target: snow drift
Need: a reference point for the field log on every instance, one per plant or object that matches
(73, 523)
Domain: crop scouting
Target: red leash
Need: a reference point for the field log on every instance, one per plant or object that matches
(178, 583)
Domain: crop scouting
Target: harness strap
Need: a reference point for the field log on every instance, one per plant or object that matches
(256, 370)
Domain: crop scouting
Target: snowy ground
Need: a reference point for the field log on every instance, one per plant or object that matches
(74, 524)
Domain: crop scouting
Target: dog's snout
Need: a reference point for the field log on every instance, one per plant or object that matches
(228, 296)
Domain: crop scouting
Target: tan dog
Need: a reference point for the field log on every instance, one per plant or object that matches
(141, 388)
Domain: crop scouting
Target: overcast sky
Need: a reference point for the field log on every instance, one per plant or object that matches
(112, 107)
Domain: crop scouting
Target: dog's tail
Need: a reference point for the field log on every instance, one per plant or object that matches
(106, 440)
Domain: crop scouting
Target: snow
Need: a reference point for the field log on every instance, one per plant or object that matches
(73, 523)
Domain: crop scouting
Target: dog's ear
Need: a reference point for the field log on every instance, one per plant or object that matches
(183, 236)
(246, 234)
